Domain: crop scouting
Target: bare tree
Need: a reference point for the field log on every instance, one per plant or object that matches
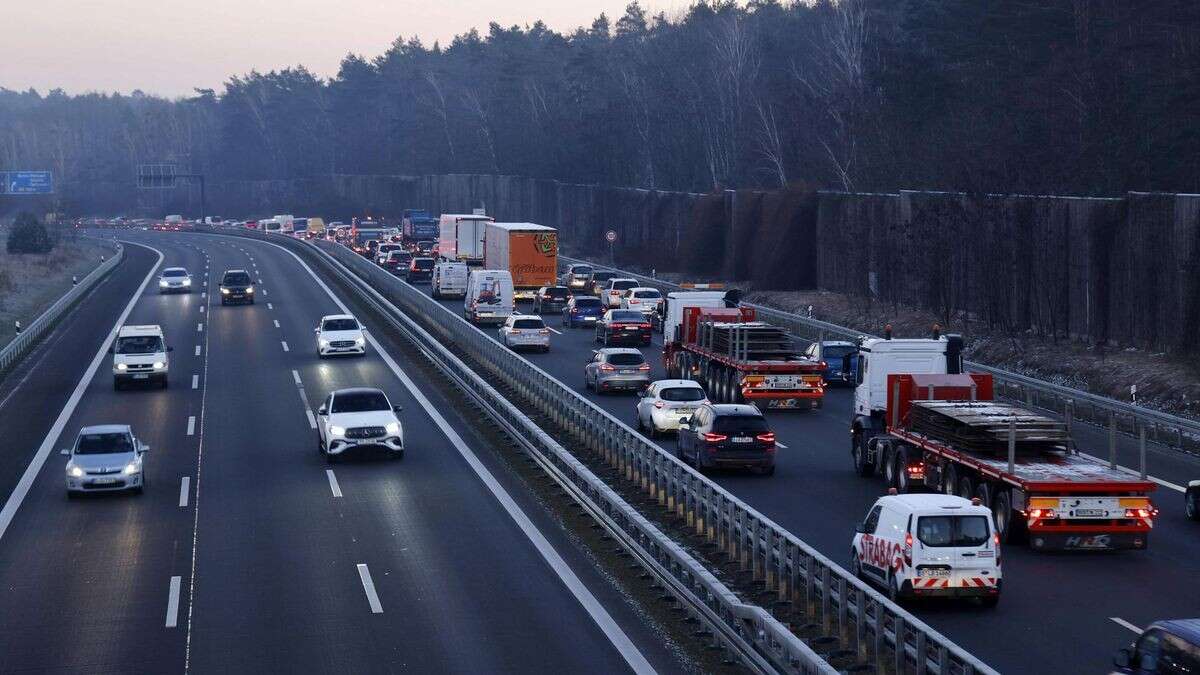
(770, 141)
(475, 106)
(437, 105)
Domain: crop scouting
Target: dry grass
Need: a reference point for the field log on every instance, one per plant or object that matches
(30, 283)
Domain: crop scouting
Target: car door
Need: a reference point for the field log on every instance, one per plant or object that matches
(589, 370)
(867, 541)
(645, 404)
(323, 420)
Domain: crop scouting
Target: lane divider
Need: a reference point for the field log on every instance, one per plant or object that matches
(277, 323)
(195, 381)
(369, 586)
(1125, 624)
(185, 487)
(197, 350)
(285, 347)
(333, 483)
(199, 327)
(191, 428)
(173, 603)
(269, 306)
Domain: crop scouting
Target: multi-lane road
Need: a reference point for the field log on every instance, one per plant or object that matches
(248, 552)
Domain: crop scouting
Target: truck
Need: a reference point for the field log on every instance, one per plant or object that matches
(926, 424)
(527, 250)
(460, 237)
(418, 225)
(735, 357)
(287, 223)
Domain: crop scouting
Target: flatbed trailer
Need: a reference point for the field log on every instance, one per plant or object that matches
(944, 432)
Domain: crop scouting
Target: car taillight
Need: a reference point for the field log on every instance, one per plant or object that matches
(996, 542)
(544, 331)
(908, 549)
(643, 325)
(515, 331)
(768, 437)
(660, 405)
(606, 368)
(1039, 514)
(634, 302)
(644, 366)
(713, 438)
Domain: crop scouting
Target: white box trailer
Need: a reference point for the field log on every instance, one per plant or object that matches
(460, 237)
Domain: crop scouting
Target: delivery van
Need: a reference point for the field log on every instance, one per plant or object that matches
(489, 296)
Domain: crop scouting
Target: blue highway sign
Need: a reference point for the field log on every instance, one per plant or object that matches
(26, 183)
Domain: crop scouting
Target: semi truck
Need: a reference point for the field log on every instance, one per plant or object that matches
(924, 424)
(460, 237)
(736, 358)
(527, 250)
(418, 225)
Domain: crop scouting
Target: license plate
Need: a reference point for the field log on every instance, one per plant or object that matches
(742, 439)
(140, 376)
(933, 573)
(783, 382)
(628, 372)
(104, 481)
(1091, 513)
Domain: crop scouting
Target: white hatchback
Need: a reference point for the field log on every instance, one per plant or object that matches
(340, 334)
(528, 331)
(665, 402)
(105, 458)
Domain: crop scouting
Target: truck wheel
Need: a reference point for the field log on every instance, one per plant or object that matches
(889, 465)
(984, 491)
(903, 484)
(1002, 514)
(966, 487)
(735, 388)
(949, 479)
(1192, 503)
(862, 466)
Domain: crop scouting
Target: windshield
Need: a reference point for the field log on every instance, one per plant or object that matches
(682, 394)
(952, 530)
(364, 401)
(528, 323)
(340, 324)
(237, 280)
(647, 294)
(141, 344)
(423, 263)
(174, 273)
(104, 444)
(626, 359)
(557, 292)
(627, 315)
(587, 303)
(624, 285)
(836, 353)
(740, 425)
(581, 270)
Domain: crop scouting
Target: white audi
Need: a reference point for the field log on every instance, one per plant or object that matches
(358, 419)
(339, 334)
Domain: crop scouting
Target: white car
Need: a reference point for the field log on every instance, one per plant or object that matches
(523, 330)
(105, 458)
(616, 290)
(140, 354)
(358, 419)
(929, 545)
(643, 299)
(665, 402)
(174, 280)
(339, 334)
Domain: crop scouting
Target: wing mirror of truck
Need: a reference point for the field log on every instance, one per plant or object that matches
(1123, 658)
(860, 528)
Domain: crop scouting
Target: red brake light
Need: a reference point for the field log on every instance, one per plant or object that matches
(606, 368)
(643, 325)
(768, 437)
(996, 542)
(713, 438)
(644, 366)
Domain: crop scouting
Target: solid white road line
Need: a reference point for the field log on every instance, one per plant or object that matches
(197, 350)
(611, 629)
(312, 419)
(369, 586)
(555, 330)
(185, 486)
(1166, 484)
(285, 347)
(296, 377)
(39, 458)
(1125, 624)
(277, 323)
(173, 603)
(195, 381)
(333, 484)
(781, 445)
(191, 425)
(199, 327)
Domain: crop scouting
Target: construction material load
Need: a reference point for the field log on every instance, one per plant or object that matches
(983, 426)
(750, 341)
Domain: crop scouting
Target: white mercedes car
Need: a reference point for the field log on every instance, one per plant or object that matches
(358, 419)
(339, 334)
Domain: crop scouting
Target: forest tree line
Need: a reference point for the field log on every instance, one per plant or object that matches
(1088, 97)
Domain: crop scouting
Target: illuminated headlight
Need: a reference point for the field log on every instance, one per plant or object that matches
(132, 468)
(224, 291)
(121, 366)
(250, 289)
(74, 471)
(162, 283)
(337, 431)
(323, 342)
(393, 428)
(159, 365)
(360, 341)
(187, 281)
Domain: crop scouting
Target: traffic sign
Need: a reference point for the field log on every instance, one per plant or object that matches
(26, 183)
(611, 236)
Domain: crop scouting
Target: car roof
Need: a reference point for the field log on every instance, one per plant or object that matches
(236, 271)
(691, 384)
(330, 317)
(736, 410)
(357, 390)
(934, 503)
(645, 288)
(136, 330)
(1189, 629)
(616, 279)
(619, 350)
(174, 269)
(105, 429)
(837, 343)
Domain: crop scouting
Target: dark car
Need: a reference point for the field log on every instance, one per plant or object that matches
(420, 270)
(623, 325)
(237, 287)
(397, 263)
(840, 359)
(727, 435)
(1164, 647)
(369, 248)
(598, 282)
(550, 299)
(425, 247)
(582, 310)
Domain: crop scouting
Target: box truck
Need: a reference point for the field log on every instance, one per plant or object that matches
(527, 250)
(460, 237)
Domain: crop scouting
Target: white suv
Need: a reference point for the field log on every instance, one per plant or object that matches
(665, 402)
(339, 334)
(357, 419)
(521, 330)
(105, 458)
(140, 353)
(929, 545)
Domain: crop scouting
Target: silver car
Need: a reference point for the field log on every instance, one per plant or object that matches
(175, 280)
(615, 369)
(105, 458)
(576, 277)
(525, 331)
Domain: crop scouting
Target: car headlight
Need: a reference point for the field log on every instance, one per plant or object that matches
(74, 471)
(250, 289)
(132, 468)
(337, 431)
(360, 341)
(224, 291)
(393, 428)
(162, 283)
(121, 366)
(187, 282)
(323, 342)
(159, 365)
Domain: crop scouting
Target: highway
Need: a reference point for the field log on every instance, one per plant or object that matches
(1058, 613)
(248, 552)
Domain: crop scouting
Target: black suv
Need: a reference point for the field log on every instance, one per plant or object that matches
(728, 435)
(420, 271)
(236, 286)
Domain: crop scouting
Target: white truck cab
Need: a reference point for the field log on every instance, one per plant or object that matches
(678, 300)
(929, 545)
(140, 354)
(880, 357)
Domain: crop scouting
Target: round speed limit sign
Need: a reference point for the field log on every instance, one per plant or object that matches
(611, 236)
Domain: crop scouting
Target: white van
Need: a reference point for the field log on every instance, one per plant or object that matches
(929, 545)
(140, 353)
(489, 296)
(450, 279)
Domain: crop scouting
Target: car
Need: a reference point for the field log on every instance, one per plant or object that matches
(425, 247)
(643, 299)
(551, 299)
(450, 280)
(525, 330)
(105, 458)
(382, 251)
(929, 545)
(339, 334)
(616, 369)
(175, 280)
(623, 325)
(576, 277)
(1191, 500)
(665, 402)
(397, 262)
(420, 270)
(615, 290)
(1171, 646)
(727, 435)
(598, 281)
(358, 419)
(140, 354)
(582, 310)
(237, 287)
(369, 247)
(840, 359)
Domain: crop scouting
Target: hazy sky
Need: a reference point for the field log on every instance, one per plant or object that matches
(170, 46)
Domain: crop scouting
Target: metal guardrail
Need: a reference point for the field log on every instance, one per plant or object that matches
(1170, 430)
(29, 336)
(845, 618)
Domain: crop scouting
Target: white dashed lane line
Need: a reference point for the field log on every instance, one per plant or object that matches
(285, 347)
(173, 603)
(195, 381)
(197, 350)
(277, 323)
(333, 483)
(191, 428)
(369, 586)
(1125, 624)
(199, 327)
(185, 487)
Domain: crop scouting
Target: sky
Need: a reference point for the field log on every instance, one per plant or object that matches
(169, 47)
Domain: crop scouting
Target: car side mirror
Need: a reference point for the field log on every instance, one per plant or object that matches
(322, 410)
(144, 448)
(65, 451)
(397, 408)
(112, 350)
(1123, 658)
(860, 528)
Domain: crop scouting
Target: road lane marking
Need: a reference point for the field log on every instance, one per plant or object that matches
(185, 485)
(333, 484)
(199, 327)
(781, 445)
(296, 377)
(312, 420)
(203, 295)
(197, 350)
(1125, 624)
(191, 431)
(269, 306)
(265, 292)
(285, 347)
(173, 603)
(277, 323)
(369, 586)
(195, 381)
(1131, 472)
(201, 309)
(555, 331)
(17, 496)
